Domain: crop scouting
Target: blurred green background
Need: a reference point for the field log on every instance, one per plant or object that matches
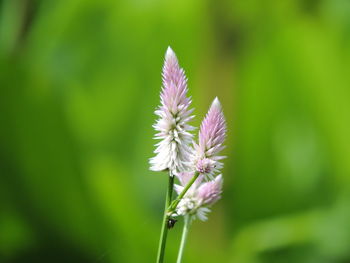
(79, 81)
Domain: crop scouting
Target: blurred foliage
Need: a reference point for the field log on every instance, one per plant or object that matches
(80, 80)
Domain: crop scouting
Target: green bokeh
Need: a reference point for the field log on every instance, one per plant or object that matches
(79, 81)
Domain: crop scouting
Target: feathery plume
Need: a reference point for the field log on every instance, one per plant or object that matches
(173, 152)
(211, 138)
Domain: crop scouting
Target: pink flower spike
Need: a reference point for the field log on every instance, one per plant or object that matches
(199, 197)
(212, 135)
(210, 192)
(173, 152)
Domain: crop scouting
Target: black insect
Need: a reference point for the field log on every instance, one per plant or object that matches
(171, 223)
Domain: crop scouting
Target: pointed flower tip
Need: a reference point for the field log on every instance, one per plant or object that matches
(216, 103)
(169, 53)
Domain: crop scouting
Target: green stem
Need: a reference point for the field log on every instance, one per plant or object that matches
(174, 204)
(183, 238)
(164, 231)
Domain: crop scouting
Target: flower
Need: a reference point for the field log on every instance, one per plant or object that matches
(199, 197)
(173, 152)
(210, 192)
(212, 134)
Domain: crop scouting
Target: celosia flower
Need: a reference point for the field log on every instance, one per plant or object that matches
(199, 197)
(173, 152)
(211, 138)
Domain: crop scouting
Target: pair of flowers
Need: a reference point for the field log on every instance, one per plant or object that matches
(192, 163)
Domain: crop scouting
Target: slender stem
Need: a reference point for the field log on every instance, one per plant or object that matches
(164, 231)
(174, 204)
(183, 238)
